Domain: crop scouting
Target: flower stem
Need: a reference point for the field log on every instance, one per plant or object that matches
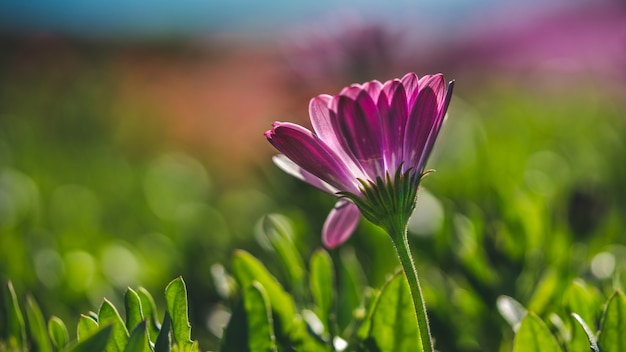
(401, 243)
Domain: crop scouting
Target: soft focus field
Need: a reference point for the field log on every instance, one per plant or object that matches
(126, 164)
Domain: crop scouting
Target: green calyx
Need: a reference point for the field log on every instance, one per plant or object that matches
(388, 203)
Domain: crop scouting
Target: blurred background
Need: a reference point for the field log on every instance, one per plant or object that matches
(132, 147)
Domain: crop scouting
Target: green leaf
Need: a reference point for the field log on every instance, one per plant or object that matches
(259, 316)
(322, 286)
(235, 336)
(511, 310)
(148, 307)
(580, 300)
(108, 314)
(163, 341)
(134, 311)
(544, 291)
(613, 329)
(534, 336)
(591, 337)
(393, 322)
(278, 231)
(176, 298)
(97, 342)
(363, 330)
(138, 340)
(15, 333)
(248, 269)
(58, 333)
(87, 326)
(37, 326)
(351, 282)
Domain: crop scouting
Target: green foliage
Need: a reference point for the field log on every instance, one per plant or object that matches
(102, 332)
(259, 315)
(58, 333)
(389, 325)
(535, 334)
(108, 315)
(176, 297)
(322, 283)
(247, 270)
(613, 327)
(87, 326)
(14, 329)
(528, 195)
(37, 326)
(393, 324)
(138, 340)
(96, 342)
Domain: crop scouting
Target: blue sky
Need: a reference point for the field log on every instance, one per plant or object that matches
(188, 17)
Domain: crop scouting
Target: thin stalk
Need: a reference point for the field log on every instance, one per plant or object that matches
(401, 243)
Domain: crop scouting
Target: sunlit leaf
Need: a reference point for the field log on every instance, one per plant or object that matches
(534, 335)
(176, 297)
(86, 327)
(276, 229)
(148, 307)
(613, 328)
(97, 342)
(544, 291)
(393, 323)
(134, 311)
(322, 285)
(511, 310)
(579, 300)
(259, 317)
(58, 333)
(37, 326)
(592, 341)
(15, 329)
(248, 269)
(108, 314)
(363, 331)
(138, 340)
(351, 285)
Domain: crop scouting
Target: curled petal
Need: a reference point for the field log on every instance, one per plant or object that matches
(293, 169)
(340, 223)
(311, 154)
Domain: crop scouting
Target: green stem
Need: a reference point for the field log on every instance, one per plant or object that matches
(401, 243)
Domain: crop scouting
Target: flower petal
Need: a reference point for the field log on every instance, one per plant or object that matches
(340, 223)
(394, 114)
(291, 168)
(322, 119)
(432, 135)
(312, 154)
(425, 118)
(410, 81)
(373, 88)
(360, 126)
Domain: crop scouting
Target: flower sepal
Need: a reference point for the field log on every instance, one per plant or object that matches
(388, 202)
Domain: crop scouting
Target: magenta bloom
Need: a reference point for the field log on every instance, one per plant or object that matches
(361, 138)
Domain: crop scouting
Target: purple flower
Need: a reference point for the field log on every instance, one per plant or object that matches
(369, 145)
